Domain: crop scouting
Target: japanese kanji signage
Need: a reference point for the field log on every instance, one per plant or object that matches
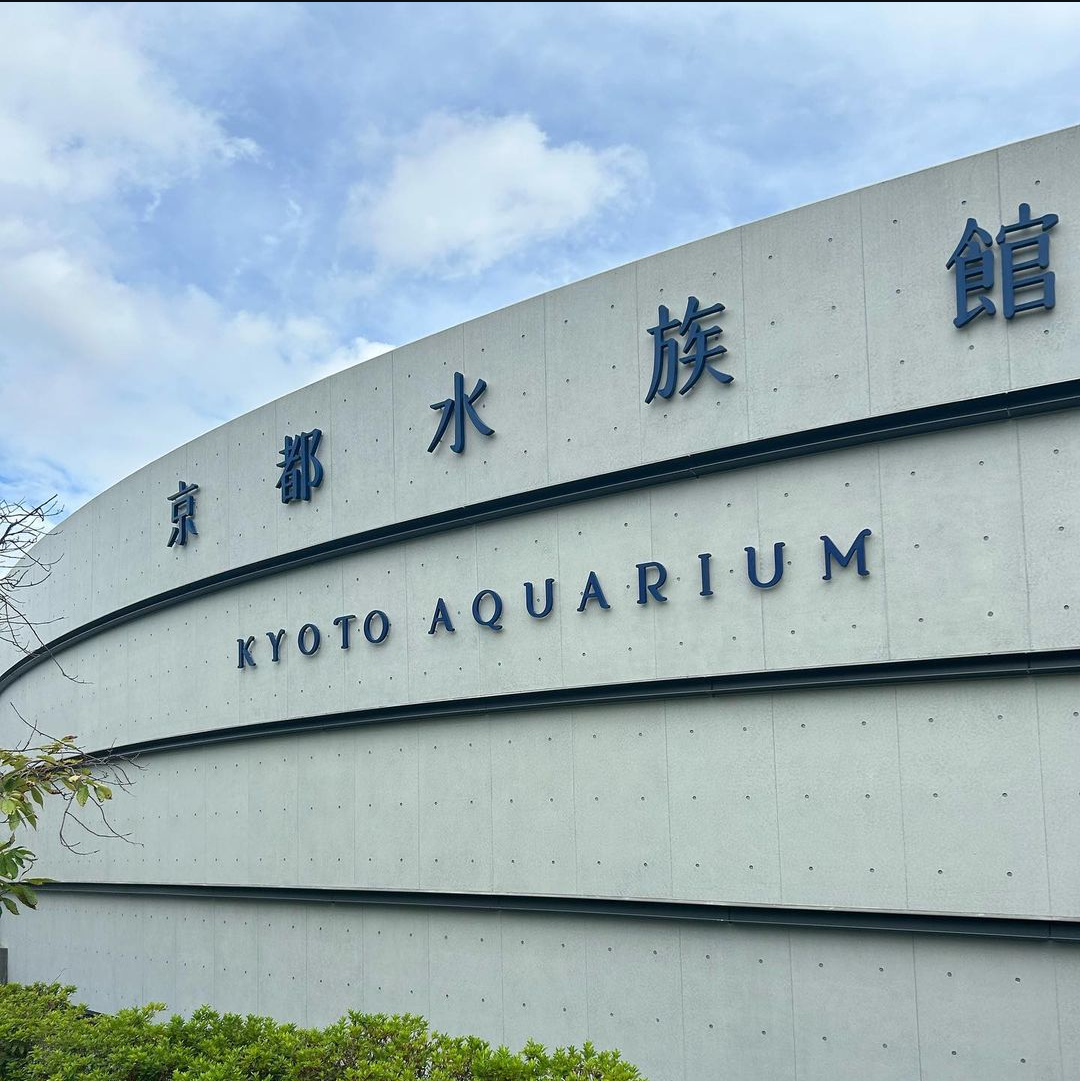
(1024, 262)
(1017, 259)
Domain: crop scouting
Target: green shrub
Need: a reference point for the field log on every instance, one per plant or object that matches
(46, 1037)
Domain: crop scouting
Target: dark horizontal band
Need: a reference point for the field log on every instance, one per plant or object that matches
(1050, 397)
(762, 916)
(989, 666)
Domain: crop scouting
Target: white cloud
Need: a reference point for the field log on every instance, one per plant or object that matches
(466, 192)
(83, 112)
(101, 376)
(345, 356)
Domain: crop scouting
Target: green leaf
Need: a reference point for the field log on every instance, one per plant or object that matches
(7, 806)
(25, 894)
(81, 795)
(38, 798)
(10, 905)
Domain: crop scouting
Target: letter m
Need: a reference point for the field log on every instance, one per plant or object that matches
(857, 549)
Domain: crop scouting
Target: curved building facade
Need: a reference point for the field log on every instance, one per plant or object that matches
(684, 660)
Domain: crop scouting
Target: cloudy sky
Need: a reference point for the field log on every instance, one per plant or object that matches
(203, 207)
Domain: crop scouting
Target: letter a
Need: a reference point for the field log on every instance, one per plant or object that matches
(592, 592)
(441, 618)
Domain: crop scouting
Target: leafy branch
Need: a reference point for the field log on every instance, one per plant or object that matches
(59, 768)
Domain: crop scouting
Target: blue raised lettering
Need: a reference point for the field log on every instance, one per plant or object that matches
(778, 566)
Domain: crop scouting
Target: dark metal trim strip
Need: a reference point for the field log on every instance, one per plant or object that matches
(1051, 397)
(991, 666)
(763, 916)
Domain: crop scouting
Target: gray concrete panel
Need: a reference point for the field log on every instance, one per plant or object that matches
(397, 961)
(806, 620)
(1067, 986)
(255, 509)
(181, 846)
(454, 799)
(737, 1002)
(722, 790)
(317, 589)
(375, 581)
(954, 545)
(362, 429)
(465, 973)
(622, 814)
(1058, 703)
(532, 800)
(201, 660)
(334, 963)
(854, 1006)
(839, 799)
(506, 349)
(150, 693)
(1043, 174)
(282, 965)
(598, 536)
(387, 822)
(273, 812)
(910, 227)
(155, 956)
(972, 792)
(987, 1013)
(423, 374)
(194, 958)
(229, 827)
(528, 653)
(591, 339)
(326, 790)
(236, 957)
(635, 993)
(440, 664)
(726, 628)
(805, 318)
(544, 980)
(1050, 478)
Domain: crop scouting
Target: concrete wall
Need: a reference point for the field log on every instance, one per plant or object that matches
(680, 999)
(974, 532)
(939, 797)
(949, 798)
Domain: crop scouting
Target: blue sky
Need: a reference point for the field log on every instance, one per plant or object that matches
(203, 206)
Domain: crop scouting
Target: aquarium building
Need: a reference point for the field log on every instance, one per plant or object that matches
(684, 660)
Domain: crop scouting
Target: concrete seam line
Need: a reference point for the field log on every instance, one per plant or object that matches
(1006, 927)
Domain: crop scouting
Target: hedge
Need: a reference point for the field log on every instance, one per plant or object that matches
(44, 1036)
